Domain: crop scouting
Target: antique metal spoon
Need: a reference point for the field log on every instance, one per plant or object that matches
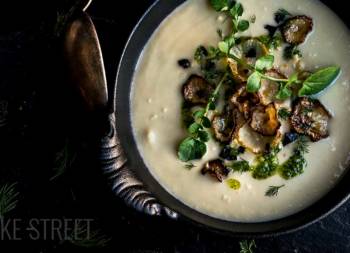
(85, 63)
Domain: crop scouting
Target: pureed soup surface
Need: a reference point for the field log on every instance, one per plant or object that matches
(157, 123)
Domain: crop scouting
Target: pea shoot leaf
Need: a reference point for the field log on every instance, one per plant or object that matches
(243, 25)
(265, 63)
(191, 149)
(254, 82)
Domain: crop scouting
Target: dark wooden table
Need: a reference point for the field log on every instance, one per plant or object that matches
(39, 117)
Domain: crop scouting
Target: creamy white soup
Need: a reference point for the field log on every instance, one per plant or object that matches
(157, 105)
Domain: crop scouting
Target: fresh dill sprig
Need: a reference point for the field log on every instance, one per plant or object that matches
(220, 34)
(189, 166)
(83, 236)
(272, 191)
(247, 246)
(8, 198)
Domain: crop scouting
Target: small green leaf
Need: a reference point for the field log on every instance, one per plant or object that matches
(254, 82)
(243, 25)
(224, 47)
(213, 53)
(318, 81)
(211, 106)
(284, 93)
(265, 62)
(206, 122)
(230, 41)
(281, 15)
(293, 79)
(199, 114)
(203, 136)
(200, 54)
(276, 41)
(191, 149)
(237, 10)
(265, 39)
(290, 51)
(233, 12)
(218, 5)
(194, 128)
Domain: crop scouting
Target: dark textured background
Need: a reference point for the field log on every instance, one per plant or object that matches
(43, 117)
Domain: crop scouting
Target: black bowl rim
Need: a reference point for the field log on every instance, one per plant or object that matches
(140, 35)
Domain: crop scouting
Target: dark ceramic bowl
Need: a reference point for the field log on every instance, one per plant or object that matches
(138, 39)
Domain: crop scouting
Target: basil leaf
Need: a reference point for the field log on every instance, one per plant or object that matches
(318, 81)
(191, 149)
(265, 62)
(254, 82)
(243, 25)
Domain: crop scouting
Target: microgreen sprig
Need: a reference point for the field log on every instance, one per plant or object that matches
(211, 104)
(234, 10)
(262, 64)
(194, 147)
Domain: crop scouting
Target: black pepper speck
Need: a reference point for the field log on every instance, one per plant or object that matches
(184, 63)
